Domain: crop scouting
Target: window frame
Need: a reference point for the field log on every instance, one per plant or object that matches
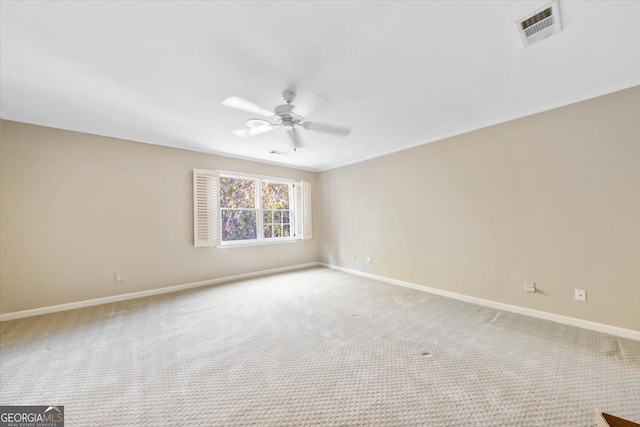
(290, 210)
(207, 213)
(259, 209)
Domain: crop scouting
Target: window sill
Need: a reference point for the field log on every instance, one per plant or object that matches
(254, 243)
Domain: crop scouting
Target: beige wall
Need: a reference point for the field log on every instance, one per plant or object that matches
(552, 198)
(77, 208)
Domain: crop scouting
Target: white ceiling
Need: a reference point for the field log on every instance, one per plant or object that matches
(399, 73)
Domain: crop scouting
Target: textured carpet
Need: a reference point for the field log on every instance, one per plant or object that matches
(314, 347)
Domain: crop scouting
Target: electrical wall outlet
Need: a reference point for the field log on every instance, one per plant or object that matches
(581, 295)
(529, 286)
(118, 278)
(369, 260)
(353, 258)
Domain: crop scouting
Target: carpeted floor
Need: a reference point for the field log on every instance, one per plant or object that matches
(314, 347)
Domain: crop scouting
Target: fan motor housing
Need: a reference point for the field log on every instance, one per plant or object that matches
(283, 109)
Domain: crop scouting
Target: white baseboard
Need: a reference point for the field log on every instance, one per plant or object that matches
(599, 327)
(151, 292)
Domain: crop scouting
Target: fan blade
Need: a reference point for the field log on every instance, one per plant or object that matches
(253, 131)
(321, 127)
(244, 105)
(306, 102)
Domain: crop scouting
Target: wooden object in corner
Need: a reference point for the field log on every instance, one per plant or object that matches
(607, 420)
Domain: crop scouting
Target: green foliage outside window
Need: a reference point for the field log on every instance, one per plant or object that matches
(239, 214)
(276, 214)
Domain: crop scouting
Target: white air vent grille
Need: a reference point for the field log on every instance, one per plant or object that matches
(540, 24)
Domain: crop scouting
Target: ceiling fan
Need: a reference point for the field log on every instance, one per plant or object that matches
(287, 116)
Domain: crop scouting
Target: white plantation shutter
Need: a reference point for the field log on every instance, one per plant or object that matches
(303, 210)
(206, 212)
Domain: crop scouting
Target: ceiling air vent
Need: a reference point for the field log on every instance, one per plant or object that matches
(540, 24)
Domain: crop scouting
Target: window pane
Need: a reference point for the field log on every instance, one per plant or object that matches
(267, 217)
(275, 196)
(286, 231)
(285, 217)
(268, 231)
(277, 217)
(277, 231)
(237, 193)
(239, 225)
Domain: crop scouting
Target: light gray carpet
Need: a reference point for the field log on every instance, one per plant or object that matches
(314, 347)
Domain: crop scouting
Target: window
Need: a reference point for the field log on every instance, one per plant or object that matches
(277, 202)
(238, 209)
(256, 209)
(232, 209)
